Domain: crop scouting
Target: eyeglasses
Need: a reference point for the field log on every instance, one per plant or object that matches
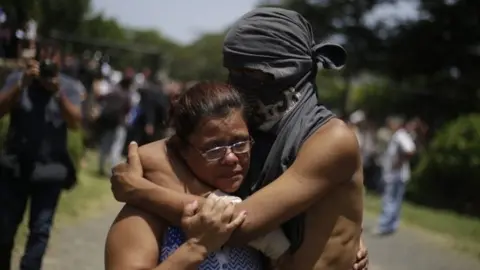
(219, 152)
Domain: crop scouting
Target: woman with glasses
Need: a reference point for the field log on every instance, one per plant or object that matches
(213, 141)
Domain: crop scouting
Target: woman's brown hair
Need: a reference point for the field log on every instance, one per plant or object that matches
(204, 99)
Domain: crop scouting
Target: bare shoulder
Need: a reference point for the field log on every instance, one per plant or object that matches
(334, 134)
(153, 155)
(133, 240)
(130, 214)
(164, 168)
(332, 149)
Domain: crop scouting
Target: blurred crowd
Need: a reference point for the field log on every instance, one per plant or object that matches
(120, 106)
(47, 90)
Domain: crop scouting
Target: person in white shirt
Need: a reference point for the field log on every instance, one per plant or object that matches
(396, 173)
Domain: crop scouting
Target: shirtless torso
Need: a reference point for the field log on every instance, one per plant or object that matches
(333, 222)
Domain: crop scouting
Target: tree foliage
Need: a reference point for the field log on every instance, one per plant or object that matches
(450, 168)
(424, 66)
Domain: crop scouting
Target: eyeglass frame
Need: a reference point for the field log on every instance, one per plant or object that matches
(226, 147)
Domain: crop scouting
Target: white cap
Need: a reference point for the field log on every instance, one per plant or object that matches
(357, 117)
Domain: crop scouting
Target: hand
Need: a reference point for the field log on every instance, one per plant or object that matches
(212, 225)
(362, 257)
(95, 112)
(31, 71)
(128, 177)
(51, 84)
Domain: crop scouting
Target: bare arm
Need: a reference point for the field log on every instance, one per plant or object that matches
(70, 112)
(133, 244)
(70, 99)
(327, 159)
(330, 157)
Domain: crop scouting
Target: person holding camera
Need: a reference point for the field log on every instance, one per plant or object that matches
(34, 162)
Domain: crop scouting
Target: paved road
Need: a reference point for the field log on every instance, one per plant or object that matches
(80, 247)
(414, 250)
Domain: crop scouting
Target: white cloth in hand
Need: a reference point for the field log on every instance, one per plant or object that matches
(273, 244)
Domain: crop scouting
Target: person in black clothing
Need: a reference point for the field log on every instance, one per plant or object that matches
(151, 123)
(34, 162)
(111, 124)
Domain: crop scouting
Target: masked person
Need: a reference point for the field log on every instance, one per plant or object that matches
(34, 162)
(305, 172)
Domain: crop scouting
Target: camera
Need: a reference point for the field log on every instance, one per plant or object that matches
(48, 69)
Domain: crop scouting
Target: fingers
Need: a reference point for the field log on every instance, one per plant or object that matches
(209, 205)
(237, 221)
(219, 210)
(32, 68)
(54, 81)
(32, 63)
(362, 265)
(211, 195)
(134, 159)
(116, 180)
(207, 194)
(361, 254)
(228, 212)
(190, 209)
(133, 153)
(362, 260)
(114, 188)
(122, 167)
(220, 206)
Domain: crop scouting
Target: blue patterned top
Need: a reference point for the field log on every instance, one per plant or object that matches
(244, 258)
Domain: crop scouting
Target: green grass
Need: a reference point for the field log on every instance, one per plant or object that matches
(90, 196)
(460, 231)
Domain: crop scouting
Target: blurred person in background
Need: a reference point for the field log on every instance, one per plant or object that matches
(354, 120)
(70, 66)
(5, 33)
(28, 36)
(101, 86)
(382, 138)
(151, 124)
(418, 130)
(303, 155)
(34, 163)
(173, 91)
(87, 71)
(112, 123)
(395, 174)
(366, 140)
(11, 44)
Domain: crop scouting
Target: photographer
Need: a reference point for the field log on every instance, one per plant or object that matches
(34, 162)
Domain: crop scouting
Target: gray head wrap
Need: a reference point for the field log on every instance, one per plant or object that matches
(279, 42)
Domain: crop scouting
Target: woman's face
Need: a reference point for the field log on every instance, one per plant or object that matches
(219, 151)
